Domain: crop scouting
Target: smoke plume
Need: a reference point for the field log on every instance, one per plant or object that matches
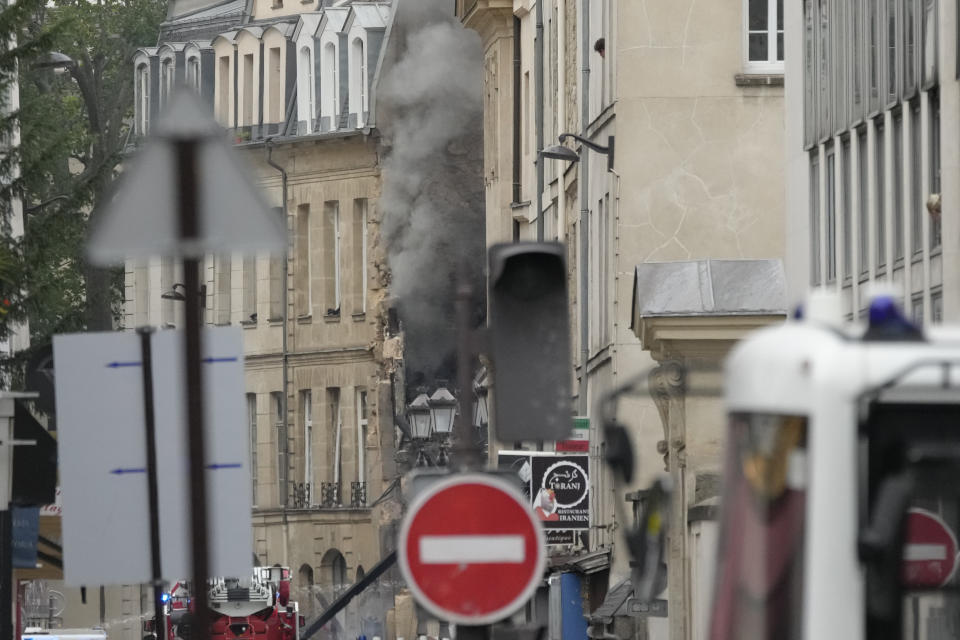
(433, 224)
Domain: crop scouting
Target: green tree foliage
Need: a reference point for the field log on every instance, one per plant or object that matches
(75, 120)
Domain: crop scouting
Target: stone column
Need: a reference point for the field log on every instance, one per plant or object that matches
(668, 389)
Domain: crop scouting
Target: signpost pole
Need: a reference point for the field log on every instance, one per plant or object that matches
(146, 358)
(466, 452)
(186, 154)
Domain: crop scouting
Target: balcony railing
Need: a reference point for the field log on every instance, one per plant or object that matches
(330, 494)
(301, 496)
(358, 494)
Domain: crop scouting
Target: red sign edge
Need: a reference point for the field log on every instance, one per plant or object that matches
(434, 608)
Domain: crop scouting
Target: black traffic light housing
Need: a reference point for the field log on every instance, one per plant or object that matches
(530, 341)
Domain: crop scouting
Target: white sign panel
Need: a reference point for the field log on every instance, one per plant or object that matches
(103, 456)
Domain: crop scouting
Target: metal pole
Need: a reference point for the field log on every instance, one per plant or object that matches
(187, 169)
(538, 115)
(466, 452)
(146, 357)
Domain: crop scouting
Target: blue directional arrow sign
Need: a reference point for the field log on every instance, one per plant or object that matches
(119, 471)
(103, 452)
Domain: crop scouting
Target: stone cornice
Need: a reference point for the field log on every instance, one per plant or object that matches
(700, 335)
(490, 18)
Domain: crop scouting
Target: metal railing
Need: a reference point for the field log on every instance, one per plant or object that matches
(358, 494)
(330, 494)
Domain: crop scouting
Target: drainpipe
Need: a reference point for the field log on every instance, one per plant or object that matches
(516, 110)
(284, 353)
(561, 102)
(538, 115)
(584, 205)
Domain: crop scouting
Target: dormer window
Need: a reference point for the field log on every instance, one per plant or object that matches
(328, 86)
(358, 80)
(143, 99)
(307, 87)
(193, 73)
(166, 80)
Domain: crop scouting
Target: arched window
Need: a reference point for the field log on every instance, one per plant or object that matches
(358, 80)
(328, 84)
(166, 80)
(334, 568)
(307, 87)
(193, 73)
(143, 99)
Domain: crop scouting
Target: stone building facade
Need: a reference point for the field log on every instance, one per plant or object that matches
(692, 96)
(293, 88)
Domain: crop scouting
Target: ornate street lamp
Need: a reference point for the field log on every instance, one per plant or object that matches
(443, 407)
(419, 412)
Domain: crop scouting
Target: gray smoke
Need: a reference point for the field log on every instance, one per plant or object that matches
(433, 225)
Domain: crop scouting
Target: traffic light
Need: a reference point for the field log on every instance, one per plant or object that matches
(530, 341)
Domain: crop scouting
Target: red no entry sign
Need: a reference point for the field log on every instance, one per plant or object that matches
(470, 549)
(929, 551)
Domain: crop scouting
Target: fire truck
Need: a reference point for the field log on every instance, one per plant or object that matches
(254, 608)
(841, 501)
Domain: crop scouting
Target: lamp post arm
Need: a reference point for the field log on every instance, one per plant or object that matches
(585, 141)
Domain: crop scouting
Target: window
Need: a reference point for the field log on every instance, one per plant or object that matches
(911, 33)
(252, 428)
(306, 406)
(916, 308)
(167, 310)
(249, 289)
(222, 274)
(855, 59)
(359, 255)
(936, 307)
(277, 272)
(811, 89)
(929, 35)
(247, 90)
(331, 256)
(193, 73)
(223, 86)
(846, 211)
(916, 185)
(893, 44)
(863, 203)
(358, 81)
(814, 218)
(898, 231)
(308, 90)
(933, 147)
(279, 421)
(764, 36)
(329, 85)
(335, 433)
(143, 99)
(824, 69)
(166, 80)
(874, 43)
(527, 132)
(362, 425)
(830, 211)
(879, 181)
(304, 267)
(275, 88)
(141, 292)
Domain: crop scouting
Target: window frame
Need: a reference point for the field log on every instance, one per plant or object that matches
(772, 65)
(363, 424)
(306, 405)
(252, 433)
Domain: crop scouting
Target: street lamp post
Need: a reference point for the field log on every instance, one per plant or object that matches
(443, 409)
(419, 412)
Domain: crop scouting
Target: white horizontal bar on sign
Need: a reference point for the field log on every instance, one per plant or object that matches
(922, 552)
(455, 549)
